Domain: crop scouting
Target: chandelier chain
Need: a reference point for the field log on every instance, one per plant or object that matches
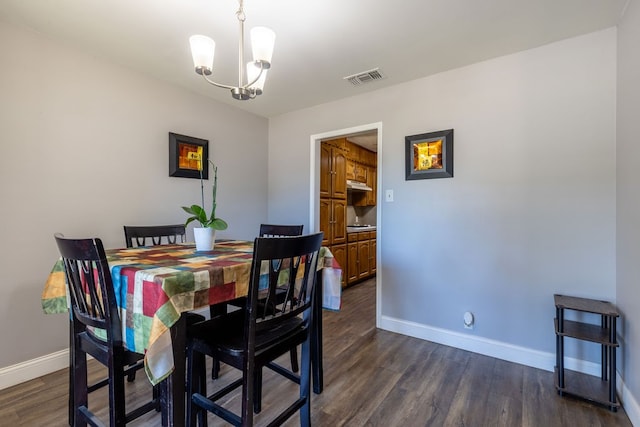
(240, 13)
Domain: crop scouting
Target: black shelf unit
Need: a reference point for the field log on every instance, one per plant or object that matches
(599, 390)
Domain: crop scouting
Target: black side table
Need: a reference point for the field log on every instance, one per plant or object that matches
(599, 390)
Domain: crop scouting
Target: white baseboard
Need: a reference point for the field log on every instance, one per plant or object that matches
(629, 403)
(34, 368)
(509, 352)
(500, 350)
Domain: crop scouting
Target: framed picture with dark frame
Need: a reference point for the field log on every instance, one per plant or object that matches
(187, 155)
(429, 155)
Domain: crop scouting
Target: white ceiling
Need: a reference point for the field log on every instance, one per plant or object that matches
(368, 140)
(318, 42)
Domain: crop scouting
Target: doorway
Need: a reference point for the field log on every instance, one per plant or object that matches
(354, 133)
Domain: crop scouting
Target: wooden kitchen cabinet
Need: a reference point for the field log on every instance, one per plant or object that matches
(367, 198)
(371, 182)
(352, 270)
(370, 158)
(353, 151)
(333, 192)
(333, 171)
(359, 265)
(355, 171)
(360, 172)
(333, 217)
(339, 229)
(325, 220)
(359, 160)
(363, 259)
(351, 170)
(325, 170)
(340, 254)
(372, 254)
(352, 263)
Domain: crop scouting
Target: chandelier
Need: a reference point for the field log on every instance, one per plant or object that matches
(262, 41)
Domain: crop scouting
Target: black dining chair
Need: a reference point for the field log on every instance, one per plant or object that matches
(153, 235)
(261, 331)
(94, 311)
(266, 230)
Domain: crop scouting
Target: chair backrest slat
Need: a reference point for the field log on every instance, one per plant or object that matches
(277, 230)
(138, 234)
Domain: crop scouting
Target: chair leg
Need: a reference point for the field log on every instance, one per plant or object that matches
(215, 369)
(257, 391)
(249, 379)
(216, 310)
(117, 410)
(305, 384)
(131, 377)
(189, 386)
(202, 418)
(201, 378)
(196, 383)
(72, 408)
(79, 387)
(294, 360)
(156, 394)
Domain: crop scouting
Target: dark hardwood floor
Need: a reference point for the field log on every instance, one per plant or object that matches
(372, 378)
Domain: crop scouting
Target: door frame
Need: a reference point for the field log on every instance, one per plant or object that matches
(314, 191)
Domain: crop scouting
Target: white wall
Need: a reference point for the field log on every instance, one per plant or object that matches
(84, 151)
(628, 204)
(529, 213)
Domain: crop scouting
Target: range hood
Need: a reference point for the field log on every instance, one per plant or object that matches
(357, 186)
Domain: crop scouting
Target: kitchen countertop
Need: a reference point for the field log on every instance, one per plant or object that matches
(360, 228)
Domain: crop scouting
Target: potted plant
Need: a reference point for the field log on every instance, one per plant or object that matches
(206, 233)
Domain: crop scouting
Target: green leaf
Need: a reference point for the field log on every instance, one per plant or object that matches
(198, 211)
(218, 224)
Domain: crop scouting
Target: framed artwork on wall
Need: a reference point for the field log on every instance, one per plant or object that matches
(187, 155)
(429, 155)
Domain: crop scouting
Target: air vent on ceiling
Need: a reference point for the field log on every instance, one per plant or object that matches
(364, 77)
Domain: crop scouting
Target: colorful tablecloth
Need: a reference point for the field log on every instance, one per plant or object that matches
(154, 285)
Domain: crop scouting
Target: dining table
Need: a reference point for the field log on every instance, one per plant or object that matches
(156, 285)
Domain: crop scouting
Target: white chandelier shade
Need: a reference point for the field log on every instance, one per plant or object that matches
(253, 73)
(262, 42)
(202, 50)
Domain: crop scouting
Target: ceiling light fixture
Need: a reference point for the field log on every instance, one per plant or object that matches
(262, 42)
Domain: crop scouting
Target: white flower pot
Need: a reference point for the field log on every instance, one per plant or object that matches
(205, 238)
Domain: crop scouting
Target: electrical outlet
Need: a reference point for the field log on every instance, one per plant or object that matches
(388, 196)
(468, 320)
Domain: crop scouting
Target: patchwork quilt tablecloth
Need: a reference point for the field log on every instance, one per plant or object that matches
(154, 285)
